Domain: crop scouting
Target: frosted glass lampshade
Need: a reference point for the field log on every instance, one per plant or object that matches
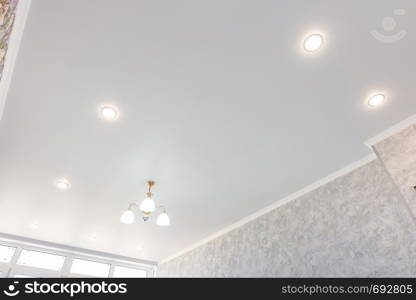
(148, 205)
(127, 217)
(163, 219)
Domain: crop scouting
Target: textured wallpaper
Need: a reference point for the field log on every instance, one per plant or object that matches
(357, 225)
(398, 154)
(7, 15)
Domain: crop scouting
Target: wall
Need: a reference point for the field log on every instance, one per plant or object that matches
(7, 15)
(357, 225)
(398, 153)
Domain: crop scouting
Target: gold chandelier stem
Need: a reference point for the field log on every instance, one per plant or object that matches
(150, 183)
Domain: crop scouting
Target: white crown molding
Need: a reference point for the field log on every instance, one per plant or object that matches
(369, 158)
(391, 131)
(22, 12)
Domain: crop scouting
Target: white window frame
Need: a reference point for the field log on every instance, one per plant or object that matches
(12, 269)
(5, 266)
(124, 266)
(4, 269)
(89, 259)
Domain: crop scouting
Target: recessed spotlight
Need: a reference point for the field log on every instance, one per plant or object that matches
(62, 184)
(313, 42)
(108, 112)
(35, 225)
(376, 100)
(139, 248)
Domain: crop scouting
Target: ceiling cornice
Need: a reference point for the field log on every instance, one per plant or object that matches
(342, 172)
(370, 143)
(22, 12)
(391, 131)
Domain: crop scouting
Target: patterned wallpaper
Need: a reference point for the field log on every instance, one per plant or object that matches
(356, 225)
(398, 154)
(7, 15)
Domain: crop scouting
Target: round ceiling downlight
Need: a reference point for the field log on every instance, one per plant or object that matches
(313, 42)
(109, 112)
(376, 100)
(62, 184)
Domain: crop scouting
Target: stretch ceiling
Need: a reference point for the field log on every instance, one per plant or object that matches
(218, 102)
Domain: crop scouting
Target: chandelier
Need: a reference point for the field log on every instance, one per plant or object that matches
(147, 208)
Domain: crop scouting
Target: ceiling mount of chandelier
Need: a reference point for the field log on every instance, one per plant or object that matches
(147, 207)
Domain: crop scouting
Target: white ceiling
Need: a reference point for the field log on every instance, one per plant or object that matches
(218, 104)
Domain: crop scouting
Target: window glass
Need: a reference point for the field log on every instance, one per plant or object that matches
(6, 253)
(42, 260)
(128, 272)
(90, 268)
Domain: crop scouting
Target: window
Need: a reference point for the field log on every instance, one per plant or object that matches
(6, 253)
(89, 268)
(41, 260)
(23, 260)
(128, 272)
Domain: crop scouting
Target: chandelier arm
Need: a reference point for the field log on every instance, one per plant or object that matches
(161, 207)
(131, 205)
